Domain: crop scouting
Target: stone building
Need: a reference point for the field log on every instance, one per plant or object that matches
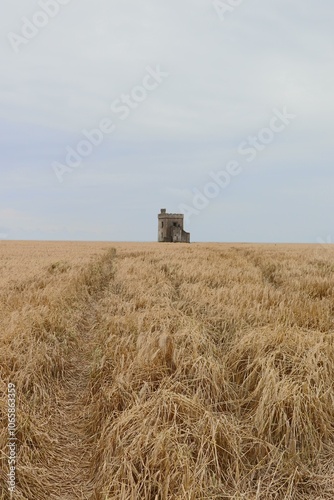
(170, 228)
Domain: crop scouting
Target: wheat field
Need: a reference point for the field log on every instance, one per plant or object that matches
(161, 371)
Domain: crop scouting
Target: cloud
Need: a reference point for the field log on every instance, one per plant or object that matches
(225, 80)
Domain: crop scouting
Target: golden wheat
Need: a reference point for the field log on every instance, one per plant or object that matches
(162, 371)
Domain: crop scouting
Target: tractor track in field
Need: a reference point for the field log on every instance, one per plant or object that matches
(71, 463)
(70, 459)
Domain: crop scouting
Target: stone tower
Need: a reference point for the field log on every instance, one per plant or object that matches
(170, 228)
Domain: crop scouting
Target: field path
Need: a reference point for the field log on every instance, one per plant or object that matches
(72, 461)
(70, 464)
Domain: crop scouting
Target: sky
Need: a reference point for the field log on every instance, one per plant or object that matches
(111, 110)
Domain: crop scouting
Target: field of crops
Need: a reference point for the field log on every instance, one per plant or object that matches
(168, 371)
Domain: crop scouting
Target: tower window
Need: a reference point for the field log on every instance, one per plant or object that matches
(162, 223)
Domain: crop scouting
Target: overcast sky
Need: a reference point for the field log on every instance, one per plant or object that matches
(185, 91)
